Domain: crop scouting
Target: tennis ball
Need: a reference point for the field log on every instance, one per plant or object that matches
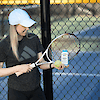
(57, 63)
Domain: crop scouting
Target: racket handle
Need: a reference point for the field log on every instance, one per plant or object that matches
(33, 65)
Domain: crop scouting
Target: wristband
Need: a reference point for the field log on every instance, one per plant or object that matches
(50, 65)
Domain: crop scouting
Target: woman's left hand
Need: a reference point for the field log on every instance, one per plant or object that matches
(62, 66)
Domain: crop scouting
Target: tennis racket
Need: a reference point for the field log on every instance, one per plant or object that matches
(66, 41)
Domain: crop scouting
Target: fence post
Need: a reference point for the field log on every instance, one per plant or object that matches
(46, 39)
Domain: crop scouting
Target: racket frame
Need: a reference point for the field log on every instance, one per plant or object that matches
(46, 51)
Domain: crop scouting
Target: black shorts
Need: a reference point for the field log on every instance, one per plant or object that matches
(37, 94)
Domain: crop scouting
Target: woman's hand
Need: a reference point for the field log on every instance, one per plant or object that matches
(24, 68)
(60, 67)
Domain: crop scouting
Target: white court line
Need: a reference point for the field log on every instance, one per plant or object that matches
(68, 74)
(77, 74)
(74, 74)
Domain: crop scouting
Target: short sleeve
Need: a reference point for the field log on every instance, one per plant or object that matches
(2, 52)
(39, 46)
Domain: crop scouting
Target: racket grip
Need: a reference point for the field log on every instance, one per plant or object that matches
(33, 65)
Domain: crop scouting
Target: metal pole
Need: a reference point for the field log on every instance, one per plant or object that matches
(46, 39)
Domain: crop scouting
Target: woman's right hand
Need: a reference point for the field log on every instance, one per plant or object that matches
(24, 68)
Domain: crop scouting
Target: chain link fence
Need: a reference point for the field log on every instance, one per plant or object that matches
(80, 81)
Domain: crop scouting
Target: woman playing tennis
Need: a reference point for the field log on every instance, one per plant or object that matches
(18, 52)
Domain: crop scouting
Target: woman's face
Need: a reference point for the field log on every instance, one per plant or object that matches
(21, 30)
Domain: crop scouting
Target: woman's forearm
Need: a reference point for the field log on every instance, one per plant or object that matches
(24, 68)
(7, 71)
(47, 66)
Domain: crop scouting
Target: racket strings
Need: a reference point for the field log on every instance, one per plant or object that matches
(66, 42)
(74, 46)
